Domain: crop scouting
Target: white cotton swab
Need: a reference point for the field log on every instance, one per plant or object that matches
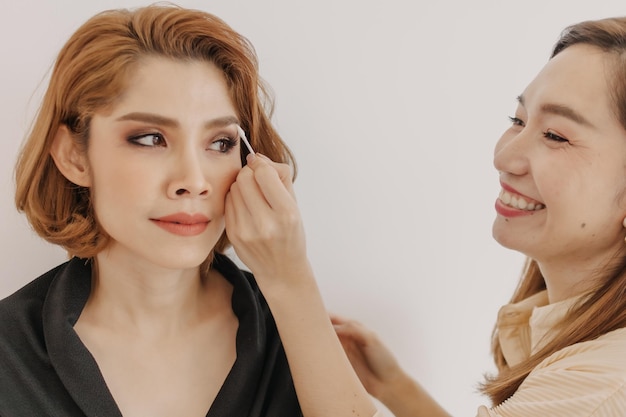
(242, 136)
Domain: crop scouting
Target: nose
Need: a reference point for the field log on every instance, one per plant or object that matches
(511, 152)
(189, 177)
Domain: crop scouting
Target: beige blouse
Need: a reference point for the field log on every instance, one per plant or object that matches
(583, 380)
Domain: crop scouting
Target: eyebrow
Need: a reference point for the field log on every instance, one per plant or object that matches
(168, 122)
(561, 110)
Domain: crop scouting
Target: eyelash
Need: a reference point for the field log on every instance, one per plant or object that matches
(553, 136)
(516, 121)
(227, 143)
(547, 134)
(135, 140)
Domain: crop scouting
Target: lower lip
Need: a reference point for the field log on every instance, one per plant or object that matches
(507, 211)
(182, 229)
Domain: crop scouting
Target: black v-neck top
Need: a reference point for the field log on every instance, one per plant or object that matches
(45, 370)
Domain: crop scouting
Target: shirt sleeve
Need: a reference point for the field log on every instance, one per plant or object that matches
(584, 380)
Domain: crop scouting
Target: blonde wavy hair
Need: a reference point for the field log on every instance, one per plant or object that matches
(91, 72)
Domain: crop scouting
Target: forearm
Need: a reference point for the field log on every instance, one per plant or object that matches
(323, 377)
(404, 397)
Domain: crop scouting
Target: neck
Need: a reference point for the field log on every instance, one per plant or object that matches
(570, 279)
(148, 299)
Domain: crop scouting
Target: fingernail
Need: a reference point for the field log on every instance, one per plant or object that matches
(250, 157)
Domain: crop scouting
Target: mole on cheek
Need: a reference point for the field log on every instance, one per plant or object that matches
(582, 225)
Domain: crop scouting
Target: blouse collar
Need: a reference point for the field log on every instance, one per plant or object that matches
(524, 327)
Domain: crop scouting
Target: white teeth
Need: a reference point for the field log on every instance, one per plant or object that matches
(518, 202)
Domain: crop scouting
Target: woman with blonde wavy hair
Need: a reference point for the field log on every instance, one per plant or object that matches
(560, 345)
(135, 165)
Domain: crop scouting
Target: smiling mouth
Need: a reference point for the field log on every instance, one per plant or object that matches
(518, 202)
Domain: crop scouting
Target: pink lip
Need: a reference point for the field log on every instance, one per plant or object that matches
(183, 224)
(507, 211)
(510, 189)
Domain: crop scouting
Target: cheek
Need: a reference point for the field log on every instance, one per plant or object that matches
(119, 185)
(225, 179)
(620, 203)
(221, 187)
(620, 197)
(557, 188)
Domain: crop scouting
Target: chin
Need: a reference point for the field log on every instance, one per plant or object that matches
(182, 259)
(511, 241)
(505, 238)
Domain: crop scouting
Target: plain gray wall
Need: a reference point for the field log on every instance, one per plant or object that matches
(392, 110)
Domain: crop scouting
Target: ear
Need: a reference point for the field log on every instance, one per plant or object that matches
(70, 160)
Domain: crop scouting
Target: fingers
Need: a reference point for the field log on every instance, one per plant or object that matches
(246, 198)
(262, 202)
(337, 319)
(273, 179)
(284, 170)
(236, 217)
(261, 198)
(352, 329)
(263, 220)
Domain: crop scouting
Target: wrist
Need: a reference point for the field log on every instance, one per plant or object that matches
(397, 389)
(288, 281)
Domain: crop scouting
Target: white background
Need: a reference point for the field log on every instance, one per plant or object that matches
(392, 110)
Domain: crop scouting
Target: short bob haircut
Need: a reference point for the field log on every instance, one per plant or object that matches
(90, 74)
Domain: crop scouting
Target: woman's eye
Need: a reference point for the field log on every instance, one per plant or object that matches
(150, 139)
(553, 136)
(223, 145)
(516, 121)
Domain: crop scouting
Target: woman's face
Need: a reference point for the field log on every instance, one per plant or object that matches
(161, 162)
(562, 165)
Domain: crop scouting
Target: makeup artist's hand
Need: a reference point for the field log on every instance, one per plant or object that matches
(264, 225)
(373, 362)
(381, 374)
